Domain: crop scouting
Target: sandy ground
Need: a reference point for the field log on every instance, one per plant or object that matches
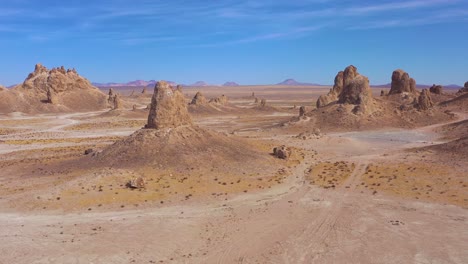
(292, 222)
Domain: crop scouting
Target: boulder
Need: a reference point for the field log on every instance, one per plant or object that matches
(282, 152)
(424, 101)
(198, 99)
(168, 108)
(137, 183)
(401, 83)
(436, 89)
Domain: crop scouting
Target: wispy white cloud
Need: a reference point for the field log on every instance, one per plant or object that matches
(360, 10)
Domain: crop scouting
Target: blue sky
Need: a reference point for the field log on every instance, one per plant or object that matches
(247, 41)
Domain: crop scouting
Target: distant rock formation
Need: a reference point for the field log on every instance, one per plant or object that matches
(436, 89)
(117, 102)
(55, 90)
(402, 83)
(144, 90)
(168, 108)
(198, 99)
(464, 89)
(222, 100)
(230, 84)
(111, 95)
(350, 88)
(383, 93)
(302, 111)
(424, 101)
(263, 103)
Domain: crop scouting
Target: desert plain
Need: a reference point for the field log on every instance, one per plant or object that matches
(377, 178)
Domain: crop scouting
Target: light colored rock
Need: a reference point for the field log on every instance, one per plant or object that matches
(168, 108)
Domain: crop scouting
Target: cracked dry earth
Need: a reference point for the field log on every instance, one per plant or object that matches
(348, 220)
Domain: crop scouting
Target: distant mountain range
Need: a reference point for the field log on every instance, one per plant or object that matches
(230, 84)
(419, 86)
(292, 82)
(287, 82)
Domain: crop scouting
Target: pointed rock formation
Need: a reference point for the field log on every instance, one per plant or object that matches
(198, 99)
(302, 111)
(168, 108)
(110, 98)
(263, 103)
(350, 88)
(117, 102)
(144, 90)
(424, 101)
(402, 83)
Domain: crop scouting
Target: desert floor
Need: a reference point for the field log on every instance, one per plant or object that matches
(351, 197)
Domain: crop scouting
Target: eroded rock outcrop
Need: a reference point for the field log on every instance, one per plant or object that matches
(350, 88)
(55, 90)
(222, 100)
(464, 89)
(302, 111)
(198, 99)
(424, 101)
(263, 102)
(110, 97)
(144, 91)
(116, 102)
(402, 83)
(436, 89)
(168, 108)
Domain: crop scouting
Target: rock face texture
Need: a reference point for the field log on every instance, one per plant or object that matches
(350, 88)
(357, 91)
(436, 89)
(51, 98)
(168, 108)
(198, 99)
(402, 83)
(424, 101)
